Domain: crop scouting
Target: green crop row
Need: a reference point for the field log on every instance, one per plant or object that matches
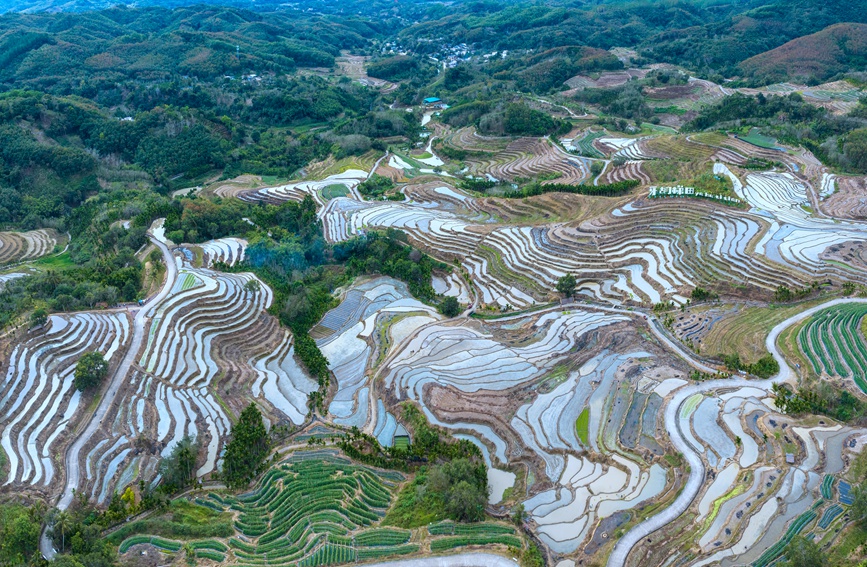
(164, 544)
(378, 552)
(447, 543)
(381, 537)
(827, 487)
(833, 343)
(212, 555)
(482, 528)
(305, 512)
(830, 514)
(776, 550)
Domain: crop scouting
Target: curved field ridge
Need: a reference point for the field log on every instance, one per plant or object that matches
(226, 250)
(19, 246)
(469, 360)
(834, 345)
(39, 402)
(644, 252)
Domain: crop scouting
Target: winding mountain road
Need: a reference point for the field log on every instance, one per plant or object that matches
(73, 453)
(697, 468)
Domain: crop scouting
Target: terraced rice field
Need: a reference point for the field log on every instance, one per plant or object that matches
(229, 251)
(446, 368)
(373, 315)
(834, 344)
(583, 409)
(40, 406)
(208, 336)
(21, 246)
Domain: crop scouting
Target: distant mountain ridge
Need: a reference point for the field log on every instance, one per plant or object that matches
(815, 57)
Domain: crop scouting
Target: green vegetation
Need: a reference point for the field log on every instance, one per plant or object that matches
(313, 509)
(377, 187)
(626, 101)
(701, 294)
(836, 140)
(498, 118)
(803, 552)
(429, 444)
(180, 519)
(90, 369)
(521, 120)
(394, 68)
(585, 145)
(179, 467)
(833, 343)
(450, 307)
(757, 139)
(582, 426)
(457, 489)
(19, 533)
(247, 449)
(607, 190)
(821, 399)
(566, 285)
(334, 191)
(765, 367)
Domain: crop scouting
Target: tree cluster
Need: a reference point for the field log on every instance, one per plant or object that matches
(247, 450)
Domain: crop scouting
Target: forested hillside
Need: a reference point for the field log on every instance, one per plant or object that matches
(59, 52)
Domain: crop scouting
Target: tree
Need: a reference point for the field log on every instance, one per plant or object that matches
(450, 307)
(463, 486)
(802, 552)
(783, 294)
(178, 468)
(20, 538)
(858, 511)
(247, 449)
(566, 285)
(466, 502)
(90, 369)
(38, 318)
(855, 148)
(62, 523)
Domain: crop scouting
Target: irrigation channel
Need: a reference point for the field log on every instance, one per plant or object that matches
(697, 468)
(73, 453)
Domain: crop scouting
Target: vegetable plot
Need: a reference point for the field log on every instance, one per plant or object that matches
(833, 343)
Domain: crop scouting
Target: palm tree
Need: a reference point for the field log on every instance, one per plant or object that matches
(62, 522)
(37, 511)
